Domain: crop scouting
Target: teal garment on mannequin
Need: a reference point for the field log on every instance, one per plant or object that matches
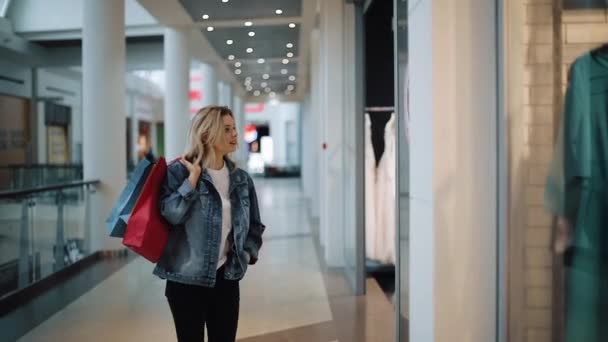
(577, 189)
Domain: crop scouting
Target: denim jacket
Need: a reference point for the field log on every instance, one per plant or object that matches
(195, 216)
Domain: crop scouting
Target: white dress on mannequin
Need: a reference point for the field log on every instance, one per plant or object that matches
(386, 197)
(371, 231)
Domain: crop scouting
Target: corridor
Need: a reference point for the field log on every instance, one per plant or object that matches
(288, 295)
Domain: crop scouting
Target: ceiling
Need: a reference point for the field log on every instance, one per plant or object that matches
(60, 39)
(241, 9)
(271, 34)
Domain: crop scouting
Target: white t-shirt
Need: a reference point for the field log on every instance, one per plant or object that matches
(221, 181)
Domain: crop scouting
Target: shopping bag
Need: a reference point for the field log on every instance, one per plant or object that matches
(117, 221)
(147, 231)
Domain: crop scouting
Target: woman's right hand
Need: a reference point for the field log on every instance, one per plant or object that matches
(194, 170)
(563, 235)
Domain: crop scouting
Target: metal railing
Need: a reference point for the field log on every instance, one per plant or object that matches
(42, 230)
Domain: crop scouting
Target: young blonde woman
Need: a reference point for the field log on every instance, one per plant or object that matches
(216, 230)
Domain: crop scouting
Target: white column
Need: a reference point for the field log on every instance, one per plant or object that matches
(308, 149)
(453, 155)
(224, 94)
(221, 93)
(177, 74)
(104, 127)
(134, 129)
(239, 114)
(227, 94)
(230, 96)
(315, 118)
(153, 138)
(332, 111)
(209, 84)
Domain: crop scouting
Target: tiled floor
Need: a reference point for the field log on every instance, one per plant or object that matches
(287, 296)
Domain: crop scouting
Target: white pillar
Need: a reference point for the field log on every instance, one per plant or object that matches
(224, 94)
(177, 74)
(315, 118)
(308, 149)
(221, 93)
(134, 129)
(104, 127)
(229, 96)
(209, 84)
(153, 138)
(332, 111)
(238, 110)
(453, 158)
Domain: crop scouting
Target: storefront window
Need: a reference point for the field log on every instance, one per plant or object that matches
(557, 102)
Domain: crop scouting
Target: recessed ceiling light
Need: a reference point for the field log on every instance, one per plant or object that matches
(264, 84)
(237, 71)
(289, 45)
(290, 54)
(292, 78)
(290, 87)
(231, 57)
(237, 64)
(229, 42)
(292, 25)
(251, 34)
(286, 61)
(225, 1)
(284, 71)
(249, 50)
(268, 90)
(210, 28)
(261, 61)
(279, 11)
(249, 88)
(256, 93)
(205, 16)
(248, 79)
(265, 76)
(248, 23)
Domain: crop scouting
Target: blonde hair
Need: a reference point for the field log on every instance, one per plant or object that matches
(206, 130)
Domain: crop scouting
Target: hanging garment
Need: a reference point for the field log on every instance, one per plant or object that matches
(386, 196)
(577, 189)
(370, 193)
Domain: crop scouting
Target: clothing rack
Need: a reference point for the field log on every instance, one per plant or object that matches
(379, 109)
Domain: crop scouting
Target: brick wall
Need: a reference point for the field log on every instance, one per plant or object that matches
(538, 102)
(581, 30)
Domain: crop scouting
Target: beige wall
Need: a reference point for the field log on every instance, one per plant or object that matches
(453, 195)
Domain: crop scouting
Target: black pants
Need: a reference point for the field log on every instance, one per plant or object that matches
(194, 307)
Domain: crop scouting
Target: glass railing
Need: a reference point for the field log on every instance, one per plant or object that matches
(36, 175)
(42, 230)
(21, 176)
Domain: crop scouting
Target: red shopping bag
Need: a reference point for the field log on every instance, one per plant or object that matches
(147, 231)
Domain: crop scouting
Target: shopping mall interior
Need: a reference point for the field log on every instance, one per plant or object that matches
(414, 170)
